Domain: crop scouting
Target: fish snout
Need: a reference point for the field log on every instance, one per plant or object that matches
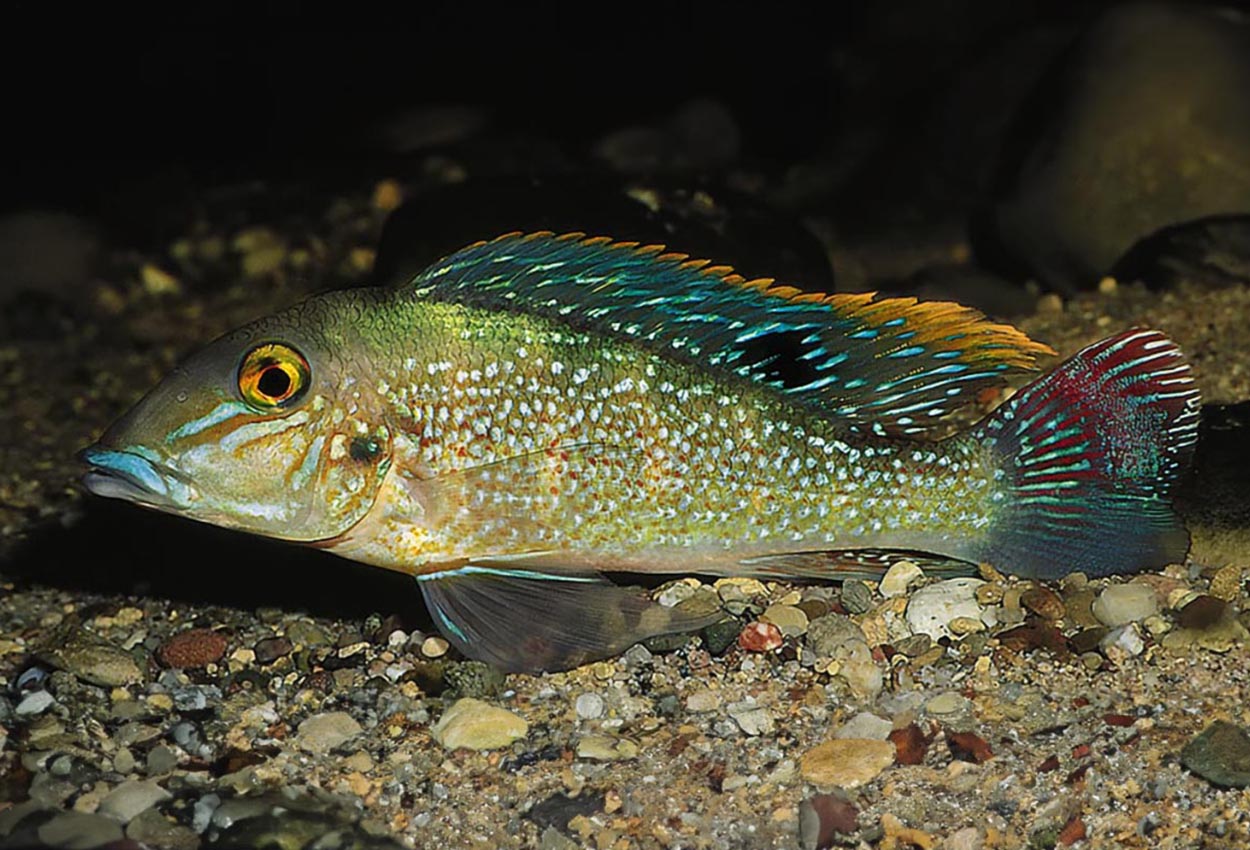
(135, 477)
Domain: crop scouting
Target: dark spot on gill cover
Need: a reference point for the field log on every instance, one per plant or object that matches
(364, 448)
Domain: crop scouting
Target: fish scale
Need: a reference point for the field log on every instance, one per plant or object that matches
(535, 410)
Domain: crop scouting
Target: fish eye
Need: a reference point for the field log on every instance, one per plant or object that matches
(273, 375)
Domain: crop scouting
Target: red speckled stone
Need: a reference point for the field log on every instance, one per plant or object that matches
(193, 648)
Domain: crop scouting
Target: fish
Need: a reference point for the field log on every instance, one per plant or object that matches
(535, 415)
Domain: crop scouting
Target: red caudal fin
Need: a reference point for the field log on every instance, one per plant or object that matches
(1088, 458)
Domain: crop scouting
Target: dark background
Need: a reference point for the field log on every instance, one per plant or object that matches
(106, 114)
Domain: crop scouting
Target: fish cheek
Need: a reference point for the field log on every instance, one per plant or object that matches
(258, 476)
(353, 468)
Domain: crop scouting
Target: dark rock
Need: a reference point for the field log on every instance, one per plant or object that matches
(271, 649)
(718, 637)
(823, 817)
(558, 809)
(1144, 124)
(910, 744)
(1221, 754)
(1210, 252)
(1088, 640)
(1202, 612)
(968, 746)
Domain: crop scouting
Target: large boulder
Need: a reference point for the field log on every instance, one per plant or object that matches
(1144, 123)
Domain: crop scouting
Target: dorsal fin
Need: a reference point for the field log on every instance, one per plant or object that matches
(892, 364)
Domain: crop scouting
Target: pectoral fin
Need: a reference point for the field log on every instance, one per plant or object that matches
(523, 620)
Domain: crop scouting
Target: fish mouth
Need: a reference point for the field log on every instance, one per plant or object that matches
(130, 475)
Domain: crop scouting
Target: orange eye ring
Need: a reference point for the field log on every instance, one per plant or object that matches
(273, 375)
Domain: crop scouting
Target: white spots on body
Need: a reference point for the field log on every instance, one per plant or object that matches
(562, 441)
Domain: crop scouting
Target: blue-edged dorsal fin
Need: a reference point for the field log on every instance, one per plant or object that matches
(893, 364)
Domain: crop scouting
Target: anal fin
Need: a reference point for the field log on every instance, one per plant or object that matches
(523, 620)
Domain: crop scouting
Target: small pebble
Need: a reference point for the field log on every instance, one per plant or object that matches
(161, 760)
(1122, 643)
(74, 830)
(751, 718)
(857, 667)
(846, 763)
(605, 748)
(760, 637)
(675, 593)
(434, 647)
(932, 608)
(271, 649)
(827, 634)
(34, 703)
(589, 706)
(866, 726)
(899, 578)
(947, 703)
(193, 648)
(1043, 602)
(703, 700)
(157, 281)
(1119, 604)
(718, 637)
(93, 659)
(965, 626)
(322, 733)
(1221, 754)
(1227, 581)
(308, 634)
(124, 762)
(790, 620)
(476, 725)
(990, 593)
(128, 800)
(856, 597)
(1221, 637)
(1078, 606)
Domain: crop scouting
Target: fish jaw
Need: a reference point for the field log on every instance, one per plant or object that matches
(134, 475)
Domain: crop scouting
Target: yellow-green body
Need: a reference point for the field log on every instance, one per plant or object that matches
(522, 438)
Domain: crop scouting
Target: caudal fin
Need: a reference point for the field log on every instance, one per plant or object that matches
(1088, 458)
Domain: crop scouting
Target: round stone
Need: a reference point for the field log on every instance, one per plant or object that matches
(1120, 604)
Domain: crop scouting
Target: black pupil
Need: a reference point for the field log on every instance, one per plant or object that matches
(274, 382)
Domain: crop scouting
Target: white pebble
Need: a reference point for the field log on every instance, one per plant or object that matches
(899, 578)
(34, 703)
(589, 706)
(1125, 603)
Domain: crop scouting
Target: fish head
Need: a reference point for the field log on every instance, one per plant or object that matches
(270, 430)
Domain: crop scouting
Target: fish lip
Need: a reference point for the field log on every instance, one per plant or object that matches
(120, 474)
